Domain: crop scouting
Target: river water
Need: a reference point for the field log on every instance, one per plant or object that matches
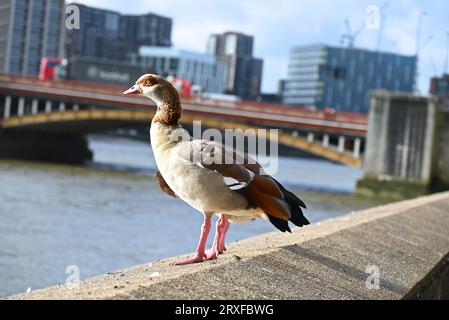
(110, 214)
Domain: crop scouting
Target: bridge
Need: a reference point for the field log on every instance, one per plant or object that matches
(69, 110)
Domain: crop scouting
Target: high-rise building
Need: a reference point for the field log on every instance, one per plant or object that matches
(198, 68)
(439, 86)
(144, 30)
(97, 36)
(341, 78)
(109, 34)
(30, 30)
(243, 72)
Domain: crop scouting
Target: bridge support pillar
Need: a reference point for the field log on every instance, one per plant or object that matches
(357, 147)
(21, 107)
(76, 107)
(326, 140)
(61, 106)
(406, 153)
(341, 144)
(48, 106)
(34, 106)
(7, 110)
(310, 137)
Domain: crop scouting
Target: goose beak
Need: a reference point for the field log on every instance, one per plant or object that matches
(135, 89)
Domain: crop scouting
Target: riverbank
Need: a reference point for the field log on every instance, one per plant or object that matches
(403, 245)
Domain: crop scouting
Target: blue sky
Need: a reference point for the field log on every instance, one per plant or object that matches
(281, 24)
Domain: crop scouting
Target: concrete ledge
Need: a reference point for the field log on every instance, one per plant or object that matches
(408, 241)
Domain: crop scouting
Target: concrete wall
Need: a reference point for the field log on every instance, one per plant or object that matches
(400, 136)
(407, 243)
(405, 151)
(441, 158)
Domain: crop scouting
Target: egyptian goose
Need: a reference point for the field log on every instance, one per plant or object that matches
(188, 169)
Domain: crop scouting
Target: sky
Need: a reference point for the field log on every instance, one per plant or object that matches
(279, 25)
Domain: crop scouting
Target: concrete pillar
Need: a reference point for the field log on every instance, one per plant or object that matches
(326, 140)
(310, 137)
(76, 107)
(435, 135)
(377, 140)
(357, 145)
(34, 106)
(405, 147)
(47, 106)
(7, 111)
(341, 144)
(21, 107)
(61, 106)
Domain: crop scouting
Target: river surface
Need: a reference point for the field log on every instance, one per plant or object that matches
(110, 214)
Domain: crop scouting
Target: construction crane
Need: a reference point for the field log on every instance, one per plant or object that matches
(422, 14)
(446, 58)
(425, 43)
(434, 67)
(350, 36)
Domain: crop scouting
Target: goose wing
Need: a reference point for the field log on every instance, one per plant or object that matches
(244, 175)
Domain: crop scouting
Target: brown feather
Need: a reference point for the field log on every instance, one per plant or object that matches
(164, 186)
(235, 171)
(147, 81)
(266, 185)
(253, 167)
(268, 203)
(169, 111)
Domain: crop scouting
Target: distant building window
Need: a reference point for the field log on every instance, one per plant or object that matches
(360, 84)
(352, 68)
(174, 64)
(407, 73)
(371, 70)
(339, 73)
(389, 71)
(326, 72)
(231, 44)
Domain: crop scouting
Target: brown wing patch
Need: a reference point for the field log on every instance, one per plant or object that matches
(266, 185)
(268, 197)
(254, 167)
(235, 171)
(164, 186)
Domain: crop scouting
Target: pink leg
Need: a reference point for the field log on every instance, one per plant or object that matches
(199, 252)
(218, 247)
(221, 244)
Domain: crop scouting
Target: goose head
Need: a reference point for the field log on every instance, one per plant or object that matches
(156, 88)
(163, 94)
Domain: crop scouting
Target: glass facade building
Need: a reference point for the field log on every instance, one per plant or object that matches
(341, 78)
(111, 35)
(198, 68)
(97, 36)
(243, 72)
(30, 30)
